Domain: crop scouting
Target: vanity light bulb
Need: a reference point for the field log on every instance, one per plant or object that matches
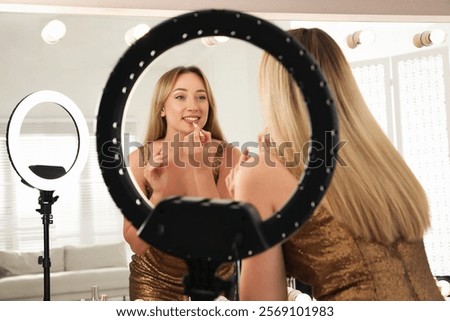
(438, 36)
(53, 32)
(303, 297)
(428, 38)
(221, 39)
(444, 286)
(361, 37)
(135, 33)
(296, 295)
(214, 40)
(366, 37)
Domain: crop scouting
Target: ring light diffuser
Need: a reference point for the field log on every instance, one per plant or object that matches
(13, 134)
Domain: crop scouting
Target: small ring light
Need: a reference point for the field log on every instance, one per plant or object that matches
(218, 229)
(13, 133)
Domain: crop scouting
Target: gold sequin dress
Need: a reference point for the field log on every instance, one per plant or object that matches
(157, 276)
(338, 266)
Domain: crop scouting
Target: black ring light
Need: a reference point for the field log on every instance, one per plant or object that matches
(207, 228)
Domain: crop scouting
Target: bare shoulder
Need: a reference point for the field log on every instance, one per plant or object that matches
(254, 172)
(266, 185)
(253, 186)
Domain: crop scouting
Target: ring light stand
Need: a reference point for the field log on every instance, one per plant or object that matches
(207, 232)
(43, 177)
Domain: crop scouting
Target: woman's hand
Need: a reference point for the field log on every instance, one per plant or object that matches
(233, 176)
(204, 136)
(195, 147)
(155, 171)
(197, 156)
(247, 162)
(137, 245)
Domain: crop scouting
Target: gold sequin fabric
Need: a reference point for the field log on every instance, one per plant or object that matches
(338, 266)
(157, 276)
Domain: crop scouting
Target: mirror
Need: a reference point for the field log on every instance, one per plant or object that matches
(80, 63)
(120, 85)
(225, 65)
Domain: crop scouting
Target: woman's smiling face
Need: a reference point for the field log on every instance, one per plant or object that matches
(187, 104)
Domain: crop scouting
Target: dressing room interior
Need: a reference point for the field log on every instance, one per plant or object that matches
(57, 62)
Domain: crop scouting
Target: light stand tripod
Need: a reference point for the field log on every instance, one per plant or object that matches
(46, 200)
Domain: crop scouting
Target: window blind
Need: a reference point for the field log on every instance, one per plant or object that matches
(423, 104)
(374, 82)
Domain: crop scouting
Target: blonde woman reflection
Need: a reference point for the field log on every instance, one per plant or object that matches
(185, 154)
(365, 239)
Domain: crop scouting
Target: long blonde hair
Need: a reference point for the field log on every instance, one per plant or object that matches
(375, 195)
(157, 126)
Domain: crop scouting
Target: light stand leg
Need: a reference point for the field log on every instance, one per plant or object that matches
(46, 200)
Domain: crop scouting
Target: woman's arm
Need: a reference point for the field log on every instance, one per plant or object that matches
(262, 276)
(198, 177)
(136, 163)
(231, 158)
(267, 185)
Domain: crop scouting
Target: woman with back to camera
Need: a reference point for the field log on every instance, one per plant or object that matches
(365, 239)
(182, 129)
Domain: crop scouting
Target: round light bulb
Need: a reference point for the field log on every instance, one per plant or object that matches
(444, 286)
(361, 37)
(132, 35)
(221, 39)
(303, 297)
(296, 295)
(214, 40)
(366, 37)
(438, 36)
(53, 32)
